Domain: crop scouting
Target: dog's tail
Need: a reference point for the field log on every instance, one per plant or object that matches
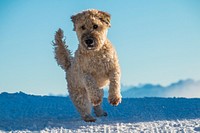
(62, 54)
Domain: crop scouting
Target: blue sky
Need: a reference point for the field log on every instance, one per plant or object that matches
(157, 41)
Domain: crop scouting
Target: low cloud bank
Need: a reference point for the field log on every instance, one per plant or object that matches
(183, 88)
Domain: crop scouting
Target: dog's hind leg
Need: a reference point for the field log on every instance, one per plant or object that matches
(98, 109)
(82, 103)
(95, 94)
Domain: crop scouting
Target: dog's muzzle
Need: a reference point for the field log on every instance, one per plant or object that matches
(90, 43)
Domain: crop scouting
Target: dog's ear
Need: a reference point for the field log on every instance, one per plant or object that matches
(105, 17)
(74, 19)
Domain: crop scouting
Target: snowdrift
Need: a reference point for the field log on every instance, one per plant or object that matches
(23, 112)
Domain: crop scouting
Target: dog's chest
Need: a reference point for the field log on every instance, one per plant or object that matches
(97, 64)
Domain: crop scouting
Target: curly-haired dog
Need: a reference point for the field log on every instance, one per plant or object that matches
(94, 65)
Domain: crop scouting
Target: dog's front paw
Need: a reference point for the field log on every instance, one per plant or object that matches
(114, 99)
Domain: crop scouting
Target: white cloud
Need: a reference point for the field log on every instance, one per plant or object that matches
(191, 90)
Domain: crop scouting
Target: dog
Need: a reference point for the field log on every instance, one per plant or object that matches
(94, 65)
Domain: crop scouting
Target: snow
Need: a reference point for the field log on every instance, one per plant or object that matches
(20, 112)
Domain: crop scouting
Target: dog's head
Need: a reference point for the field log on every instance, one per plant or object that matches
(91, 27)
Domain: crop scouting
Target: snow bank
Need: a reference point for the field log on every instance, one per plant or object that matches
(21, 112)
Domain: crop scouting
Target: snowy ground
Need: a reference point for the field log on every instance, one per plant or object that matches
(20, 112)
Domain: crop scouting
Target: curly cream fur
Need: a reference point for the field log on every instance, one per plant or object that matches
(91, 68)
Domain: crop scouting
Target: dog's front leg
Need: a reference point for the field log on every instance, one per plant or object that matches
(114, 97)
(94, 92)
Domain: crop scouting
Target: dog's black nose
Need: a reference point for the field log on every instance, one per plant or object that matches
(89, 41)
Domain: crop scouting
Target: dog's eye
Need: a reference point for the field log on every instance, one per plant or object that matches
(95, 26)
(83, 27)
